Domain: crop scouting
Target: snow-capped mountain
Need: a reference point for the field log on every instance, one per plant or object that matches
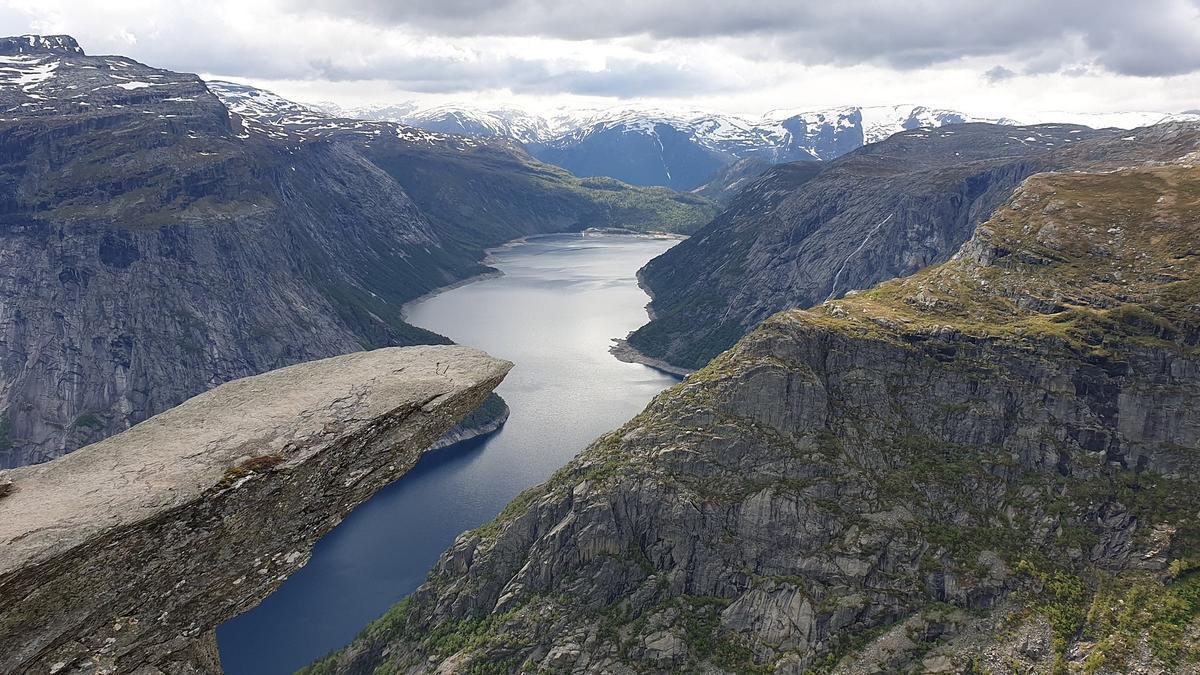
(686, 149)
(677, 149)
(266, 113)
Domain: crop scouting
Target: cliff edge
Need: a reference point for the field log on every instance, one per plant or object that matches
(125, 555)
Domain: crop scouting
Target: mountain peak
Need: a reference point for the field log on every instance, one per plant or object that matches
(39, 44)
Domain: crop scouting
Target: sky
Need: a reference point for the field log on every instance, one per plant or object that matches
(1012, 58)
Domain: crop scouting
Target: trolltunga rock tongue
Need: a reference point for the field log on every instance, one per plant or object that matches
(124, 556)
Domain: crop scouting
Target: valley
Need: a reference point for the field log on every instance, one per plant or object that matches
(523, 352)
(553, 312)
(156, 243)
(988, 465)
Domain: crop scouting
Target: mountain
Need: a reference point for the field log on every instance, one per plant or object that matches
(886, 210)
(989, 466)
(680, 150)
(509, 123)
(727, 182)
(482, 190)
(687, 150)
(654, 147)
(156, 241)
(1118, 120)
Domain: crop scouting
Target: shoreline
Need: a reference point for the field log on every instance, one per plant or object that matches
(620, 349)
(623, 351)
(492, 274)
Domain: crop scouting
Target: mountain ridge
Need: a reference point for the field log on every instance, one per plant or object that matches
(882, 211)
(684, 149)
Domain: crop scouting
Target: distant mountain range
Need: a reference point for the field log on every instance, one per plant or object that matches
(687, 150)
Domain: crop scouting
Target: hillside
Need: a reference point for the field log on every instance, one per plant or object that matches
(983, 467)
(881, 212)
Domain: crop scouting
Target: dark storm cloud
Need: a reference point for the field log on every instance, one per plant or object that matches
(1142, 37)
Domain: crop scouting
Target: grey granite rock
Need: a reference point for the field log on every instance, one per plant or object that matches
(124, 555)
(927, 476)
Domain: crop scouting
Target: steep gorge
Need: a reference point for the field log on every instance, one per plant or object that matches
(989, 465)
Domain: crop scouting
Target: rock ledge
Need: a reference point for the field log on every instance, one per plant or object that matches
(124, 555)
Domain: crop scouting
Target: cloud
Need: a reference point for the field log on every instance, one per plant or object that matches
(1143, 38)
(732, 55)
(998, 74)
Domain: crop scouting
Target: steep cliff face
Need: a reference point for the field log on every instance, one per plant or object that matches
(150, 253)
(123, 556)
(884, 211)
(153, 244)
(990, 465)
(478, 192)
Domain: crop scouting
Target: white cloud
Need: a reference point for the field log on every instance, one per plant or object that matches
(986, 58)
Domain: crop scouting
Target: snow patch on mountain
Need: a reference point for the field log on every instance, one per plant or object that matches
(266, 113)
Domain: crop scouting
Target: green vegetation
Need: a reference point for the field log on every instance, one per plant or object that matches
(645, 209)
(1062, 598)
(490, 195)
(89, 421)
(1128, 612)
(1096, 263)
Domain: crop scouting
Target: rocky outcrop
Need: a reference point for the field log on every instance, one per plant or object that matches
(791, 240)
(123, 556)
(992, 464)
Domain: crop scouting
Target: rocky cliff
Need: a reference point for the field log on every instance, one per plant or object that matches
(889, 209)
(123, 556)
(479, 192)
(990, 466)
(154, 244)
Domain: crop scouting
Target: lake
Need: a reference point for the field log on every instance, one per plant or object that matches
(554, 312)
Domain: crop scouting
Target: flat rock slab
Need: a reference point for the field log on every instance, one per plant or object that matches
(278, 459)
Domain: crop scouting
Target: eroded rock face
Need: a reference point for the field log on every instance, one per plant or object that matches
(967, 468)
(125, 555)
(791, 240)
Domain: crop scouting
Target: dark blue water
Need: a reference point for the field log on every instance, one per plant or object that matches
(554, 313)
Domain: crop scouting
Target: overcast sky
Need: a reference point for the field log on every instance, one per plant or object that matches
(986, 57)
